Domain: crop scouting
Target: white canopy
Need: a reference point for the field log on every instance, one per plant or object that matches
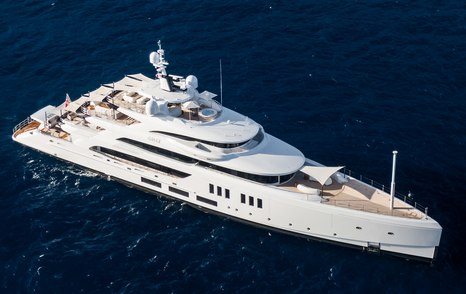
(141, 77)
(190, 104)
(73, 106)
(39, 115)
(100, 93)
(320, 173)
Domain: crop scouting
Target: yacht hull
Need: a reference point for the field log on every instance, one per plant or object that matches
(279, 210)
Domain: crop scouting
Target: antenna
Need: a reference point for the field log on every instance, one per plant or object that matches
(221, 84)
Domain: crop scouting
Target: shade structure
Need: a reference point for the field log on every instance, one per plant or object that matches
(73, 106)
(41, 114)
(320, 173)
(190, 104)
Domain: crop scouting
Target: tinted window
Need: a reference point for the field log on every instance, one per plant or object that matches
(153, 183)
(251, 200)
(187, 159)
(205, 200)
(120, 155)
(158, 150)
(178, 191)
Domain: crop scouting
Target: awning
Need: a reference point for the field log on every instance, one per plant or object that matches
(99, 93)
(39, 115)
(73, 106)
(190, 104)
(320, 173)
(141, 77)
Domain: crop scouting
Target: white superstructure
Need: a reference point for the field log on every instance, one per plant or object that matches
(163, 136)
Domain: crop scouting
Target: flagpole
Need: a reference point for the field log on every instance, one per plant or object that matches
(392, 188)
(221, 84)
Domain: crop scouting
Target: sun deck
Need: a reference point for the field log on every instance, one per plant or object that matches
(201, 110)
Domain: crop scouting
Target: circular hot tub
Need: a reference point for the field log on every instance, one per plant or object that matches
(208, 114)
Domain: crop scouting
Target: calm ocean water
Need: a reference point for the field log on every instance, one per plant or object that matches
(345, 82)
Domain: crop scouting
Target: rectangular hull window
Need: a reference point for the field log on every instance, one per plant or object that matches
(251, 200)
(219, 191)
(243, 198)
(205, 200)
(227, 194)
(153, 183)
(259, 203)
(211, 189)
(178, 191)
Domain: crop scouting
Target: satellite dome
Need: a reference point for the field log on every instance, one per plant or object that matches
(151, 107)
(154, 58)
(191, 81)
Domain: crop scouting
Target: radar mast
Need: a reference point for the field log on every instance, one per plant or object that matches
(158, 61)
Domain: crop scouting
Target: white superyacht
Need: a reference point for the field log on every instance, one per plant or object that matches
(165, 137)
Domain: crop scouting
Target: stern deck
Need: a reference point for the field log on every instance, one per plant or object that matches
(25, 126)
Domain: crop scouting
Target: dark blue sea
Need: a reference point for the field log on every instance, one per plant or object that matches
(346, 82)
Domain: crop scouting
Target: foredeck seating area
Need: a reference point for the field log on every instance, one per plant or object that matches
(355, 195)
(360, 196)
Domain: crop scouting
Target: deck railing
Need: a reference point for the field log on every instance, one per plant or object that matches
(22, 124)
(409, 199)
(369, 208)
